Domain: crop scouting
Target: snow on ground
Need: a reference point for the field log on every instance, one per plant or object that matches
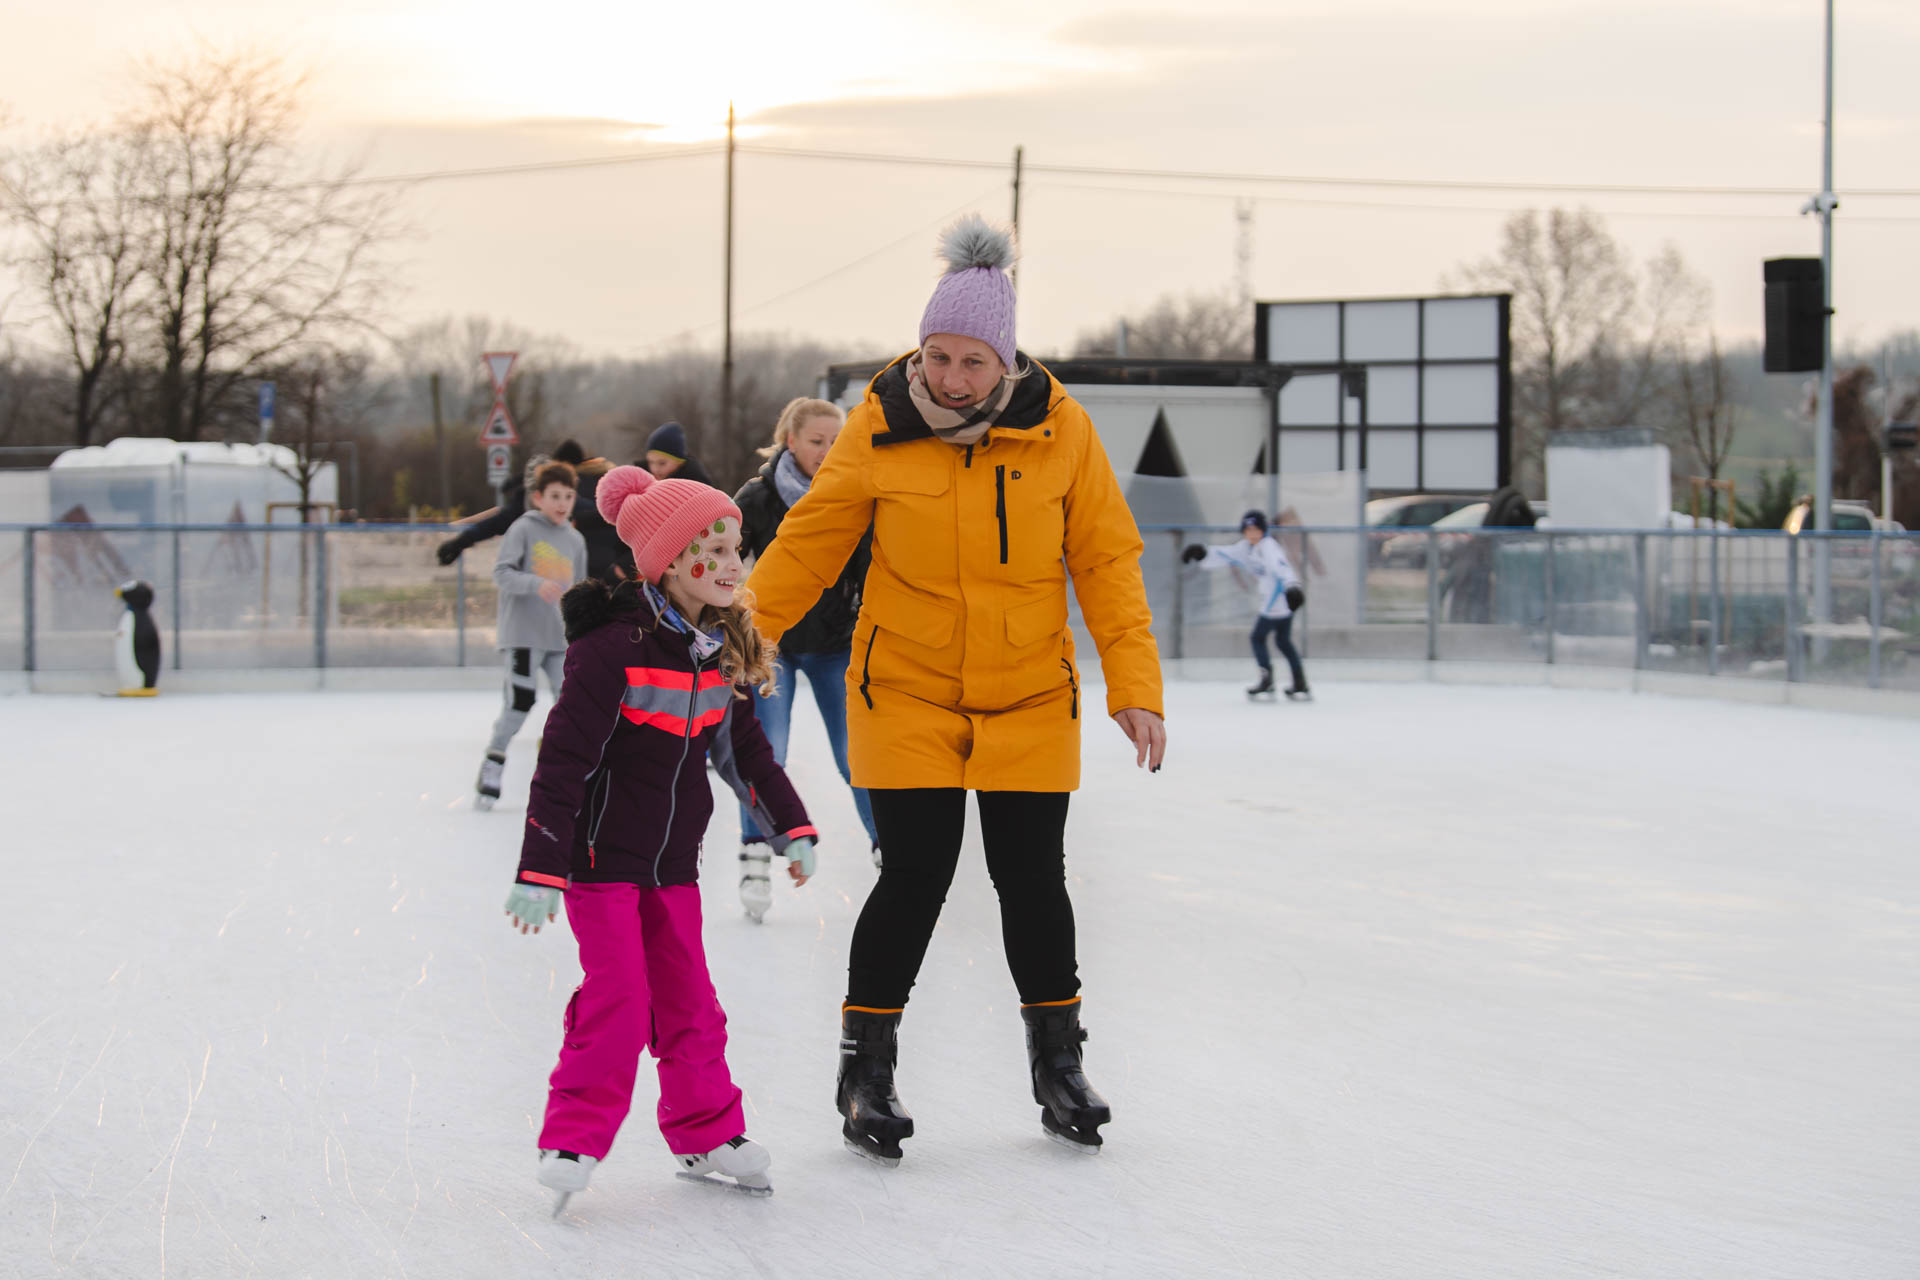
(1414, 981)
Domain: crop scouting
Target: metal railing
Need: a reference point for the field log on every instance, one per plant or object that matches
(1730, 603)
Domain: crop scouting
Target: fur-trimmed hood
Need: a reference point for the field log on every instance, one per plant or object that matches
(591, 604)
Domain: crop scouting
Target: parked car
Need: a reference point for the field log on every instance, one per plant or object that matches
(1848, 517)
(1410, 511)
(1409, 550)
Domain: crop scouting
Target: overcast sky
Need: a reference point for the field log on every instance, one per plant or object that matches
(625, 259)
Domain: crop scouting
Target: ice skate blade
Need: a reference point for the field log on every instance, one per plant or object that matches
(484, 803)
(752, 1185)
(872, 1154)
(1088, 1144)
(560, 1202)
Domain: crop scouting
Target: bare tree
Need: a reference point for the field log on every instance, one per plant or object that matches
(1589, 340)
(328, 399)
(1704, 407)
(77, 202)
(250, 254)
(1200, 326)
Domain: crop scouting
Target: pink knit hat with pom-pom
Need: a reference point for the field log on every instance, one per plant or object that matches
(659, 518)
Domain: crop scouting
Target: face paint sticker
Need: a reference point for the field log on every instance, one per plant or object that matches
(693, 548)
(713, 566)
(719, 526)
(698, 569)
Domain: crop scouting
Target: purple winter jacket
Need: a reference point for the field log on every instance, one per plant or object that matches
(620, 793)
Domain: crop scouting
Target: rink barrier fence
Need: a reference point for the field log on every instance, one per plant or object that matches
(1719, 603)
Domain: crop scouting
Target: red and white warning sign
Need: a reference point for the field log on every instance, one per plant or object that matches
(499, 428)
(499, 367)
(499, 464)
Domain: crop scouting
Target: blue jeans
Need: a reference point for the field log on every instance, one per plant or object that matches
(827, 677)
(1281, 629)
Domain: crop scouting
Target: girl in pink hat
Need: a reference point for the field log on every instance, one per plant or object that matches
(658, 671)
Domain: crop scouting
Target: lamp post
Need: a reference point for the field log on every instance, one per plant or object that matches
(1353, 382)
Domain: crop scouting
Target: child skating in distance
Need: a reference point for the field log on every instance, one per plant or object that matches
(541, 556)
(658, 671)
(1280, 594)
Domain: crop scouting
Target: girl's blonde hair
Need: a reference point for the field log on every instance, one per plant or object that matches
(798, 410)
(745, 656)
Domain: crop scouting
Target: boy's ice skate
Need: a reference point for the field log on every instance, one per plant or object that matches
(1265, 689)
(738, 1163)
(1300, 693)
(565, 1172)
(487, 789)
(756, 884)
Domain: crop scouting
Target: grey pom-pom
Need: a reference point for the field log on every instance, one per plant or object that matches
(972, 241)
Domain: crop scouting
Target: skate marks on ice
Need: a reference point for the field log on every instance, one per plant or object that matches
(1594, 990)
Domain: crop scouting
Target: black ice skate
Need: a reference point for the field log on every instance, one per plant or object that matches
(1299, 693)
(487, 789)
(1265, 688)
(1070, 1110)
(876, 1118)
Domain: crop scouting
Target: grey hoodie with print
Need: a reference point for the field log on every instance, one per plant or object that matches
(536, 551)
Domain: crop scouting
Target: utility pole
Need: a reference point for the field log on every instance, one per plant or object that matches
(1824, 204)
(1243, 252)
(726, 323)
(1019, 154)
(440, 444)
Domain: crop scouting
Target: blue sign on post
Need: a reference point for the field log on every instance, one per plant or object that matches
(266, 411)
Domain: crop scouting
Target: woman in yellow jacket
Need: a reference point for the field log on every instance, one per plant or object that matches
(986, 488)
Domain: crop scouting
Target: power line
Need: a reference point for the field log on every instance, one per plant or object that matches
(1436, 184)
(1422, 206)
(843, 268)
(504, 170)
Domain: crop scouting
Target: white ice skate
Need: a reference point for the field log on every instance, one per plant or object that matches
(739, 1164)
(487, 789)
(756, 885)
(565, 1172)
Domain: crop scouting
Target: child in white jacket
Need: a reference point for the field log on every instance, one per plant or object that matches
(1280, 593)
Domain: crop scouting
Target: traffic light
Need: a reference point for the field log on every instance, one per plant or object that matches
(1796, 315)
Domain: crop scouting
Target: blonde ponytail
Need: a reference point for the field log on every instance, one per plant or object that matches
(798, 410)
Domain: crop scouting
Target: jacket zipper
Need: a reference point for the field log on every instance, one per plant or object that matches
(673, 787)
(1073, 685)
(1000, 507)
(599, 774)
(866, 668)
(969, 457)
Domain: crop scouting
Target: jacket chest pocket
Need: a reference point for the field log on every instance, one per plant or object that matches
(911, 517)
(1029, 513)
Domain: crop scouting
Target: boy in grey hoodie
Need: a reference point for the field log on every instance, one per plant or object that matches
(541, 556)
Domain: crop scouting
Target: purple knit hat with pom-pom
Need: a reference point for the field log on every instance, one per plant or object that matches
(659, 518)
(975, 297)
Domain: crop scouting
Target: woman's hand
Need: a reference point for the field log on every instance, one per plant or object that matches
(1148, 733)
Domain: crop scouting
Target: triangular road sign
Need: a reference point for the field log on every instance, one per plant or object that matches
(499, 428)
(499, 365)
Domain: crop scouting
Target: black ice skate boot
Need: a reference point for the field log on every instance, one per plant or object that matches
(876, 1118)
(1265, 687)
(1070, 1110)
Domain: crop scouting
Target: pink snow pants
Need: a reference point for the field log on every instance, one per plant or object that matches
(645, 984)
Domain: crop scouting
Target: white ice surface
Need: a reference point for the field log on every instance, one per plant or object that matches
(1414, 981)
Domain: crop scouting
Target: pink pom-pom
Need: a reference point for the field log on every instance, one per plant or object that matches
(616, 487)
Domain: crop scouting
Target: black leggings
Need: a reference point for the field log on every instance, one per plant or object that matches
(920, 832)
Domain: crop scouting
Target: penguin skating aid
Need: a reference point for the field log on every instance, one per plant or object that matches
(136, 642)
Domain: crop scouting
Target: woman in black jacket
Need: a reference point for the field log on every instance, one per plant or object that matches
(821, 643)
